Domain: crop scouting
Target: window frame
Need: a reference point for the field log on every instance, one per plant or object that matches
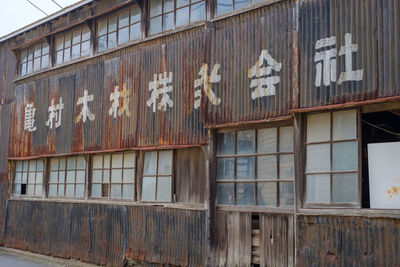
(255, 180)
(28, 171)
(333, 205)
(31, 61)
(71, 45)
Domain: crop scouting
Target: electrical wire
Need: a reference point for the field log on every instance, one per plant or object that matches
(57, 4)
(37, 7)
(380, 128)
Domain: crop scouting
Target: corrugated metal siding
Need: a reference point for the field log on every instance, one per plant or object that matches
(375, 27)
(347, 241)
(236, 44)
(7, 73)
(106, 234)
(4, 138)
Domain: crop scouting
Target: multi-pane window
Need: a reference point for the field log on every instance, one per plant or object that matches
(119, 29)
(28, 180)
(157, 176)
(113, 175)
(255, 167)
(332, 158)
(224, 6)
(169, 14)
(34, 58)
(67, 177)
(73, 45)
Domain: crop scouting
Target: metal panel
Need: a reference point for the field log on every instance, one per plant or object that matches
(107, 234)
(347, 241)
(374, 27)
(4, 138)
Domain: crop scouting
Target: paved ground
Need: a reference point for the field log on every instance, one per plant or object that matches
(17, 258)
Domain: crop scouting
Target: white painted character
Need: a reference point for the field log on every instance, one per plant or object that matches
(114, 98)
(325, 57)
(55, 113)
(29, 124)
(347, 50)
(161, 86)
(262, 79)
(85, 112)
(205, 82)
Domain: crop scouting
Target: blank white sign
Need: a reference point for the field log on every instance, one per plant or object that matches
(384, 175)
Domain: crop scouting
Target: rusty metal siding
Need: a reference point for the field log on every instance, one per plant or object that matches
(7, 73)
(236, 44)
(375, 28)
(347, 241)
(4, 138)
(106, 234)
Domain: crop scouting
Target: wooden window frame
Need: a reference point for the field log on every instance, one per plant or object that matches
(32, 49)
(255, 181)
(331, 204)
(28, 172)
(71, 45)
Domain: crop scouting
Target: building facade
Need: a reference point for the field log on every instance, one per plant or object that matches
(204, 133)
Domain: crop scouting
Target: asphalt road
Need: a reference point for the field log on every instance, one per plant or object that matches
(12, 260)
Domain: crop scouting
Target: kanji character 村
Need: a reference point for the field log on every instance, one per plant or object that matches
(55, 112)
(205, 82)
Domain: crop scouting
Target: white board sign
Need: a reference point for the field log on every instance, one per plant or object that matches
(384, 175)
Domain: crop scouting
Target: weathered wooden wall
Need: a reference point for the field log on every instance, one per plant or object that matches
(4, 137)
(107, 234)
(347, 241)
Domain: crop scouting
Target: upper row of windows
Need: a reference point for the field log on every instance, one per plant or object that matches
(118, 29)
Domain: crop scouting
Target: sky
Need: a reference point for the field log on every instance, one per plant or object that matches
(15, 14)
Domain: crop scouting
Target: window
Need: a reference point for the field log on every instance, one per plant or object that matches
(73, 45)
(255, 167)
(34, 59)
(332, 158)
(169, 14)
(113, 175)
(119, 29)
(67, 177)
(224, 6)
(157, 176)
(28, 180)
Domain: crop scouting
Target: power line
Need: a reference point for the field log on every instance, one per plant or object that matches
(37, 7)
(57, 4)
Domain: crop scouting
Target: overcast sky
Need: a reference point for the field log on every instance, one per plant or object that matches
(15, 14)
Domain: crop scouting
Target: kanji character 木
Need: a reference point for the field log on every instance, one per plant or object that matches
(85, 112)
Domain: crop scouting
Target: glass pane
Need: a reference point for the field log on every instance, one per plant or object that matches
(318, 158)
(225, 193)
(59, 57)
(97, 162)
(24, 56)
(22, 69)
(318, 188)
(112, 24)
(116, 190)
(155, 7)
(246, 142)
(155, 25)
(286, 195)
(345, 156)
(81, 162)
(24, 177)
(17, 189)
(129, 175)
(85, 34)
(102, 43)
(149, 189)
(85, 49)
(30, 54)
(165, 162)
(29, 67)
(80, 190)
(135, 32)
(97, 176)
(76, 51)
(344, 125)
(31, 179)
(31, 190)
(67, 55)
(127, 191)
(226, 143)
(286, 139)
(182, 16)
(45, 48)
(67, 40)
(245, 194)
(106, 176)
(241, 3)
(18, 178)
(18, 166)
(112, 40)
(198, 12)
(39, 178)
(76, 37)
(107, 161)
(61, 190)
(180, 3)
(245, 168)
(123, 35)
(168, 5)
(135, 14)
(60, 43)
(117, 160)
(345, 187)
(39, 165)
(96, 190)
(38, 190)
(116, 176)
(225, 169)
(70, 176)
(129, 160)
(150, 162)
(53, 190)
(266, 194)
(38, 50)
(267, 167)
(45, 61)
(63, 162)
(286, 167)
(102, 27)
(80, 177)
(61, 177)
(164, 189)
(123, 19)
(267, 139)
(32, 165)
(318, 127)
(36, 64)
(224, 6)
(168, 21)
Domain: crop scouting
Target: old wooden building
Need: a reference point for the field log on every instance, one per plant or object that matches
(204, 133)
